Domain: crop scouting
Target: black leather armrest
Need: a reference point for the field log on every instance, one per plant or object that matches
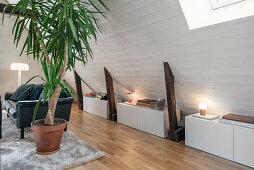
(32, 103)
(7, 96)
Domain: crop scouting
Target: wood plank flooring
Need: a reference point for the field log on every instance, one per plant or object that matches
(126, 148)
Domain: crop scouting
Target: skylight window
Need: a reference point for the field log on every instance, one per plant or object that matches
(202, 13)
(222, 3)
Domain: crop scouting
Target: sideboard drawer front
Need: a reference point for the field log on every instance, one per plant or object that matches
(244, 145)
(209, 136)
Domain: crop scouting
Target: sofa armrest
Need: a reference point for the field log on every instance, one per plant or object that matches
(32, 103)
(7, 96)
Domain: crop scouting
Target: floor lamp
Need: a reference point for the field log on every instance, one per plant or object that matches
(19, 67)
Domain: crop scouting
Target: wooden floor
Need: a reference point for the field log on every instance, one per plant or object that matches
(126, 148)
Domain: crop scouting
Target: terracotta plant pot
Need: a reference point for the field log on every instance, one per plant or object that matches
(48, 138)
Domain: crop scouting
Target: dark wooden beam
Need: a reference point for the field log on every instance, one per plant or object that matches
(176, 133)
(111, 96)
(8, 9)
(79, 90)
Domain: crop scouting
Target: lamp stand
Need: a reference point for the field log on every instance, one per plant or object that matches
(19, 78)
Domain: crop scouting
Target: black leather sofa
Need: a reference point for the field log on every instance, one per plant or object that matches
(22, 111)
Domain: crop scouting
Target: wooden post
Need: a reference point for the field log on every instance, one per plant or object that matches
(176, 133)
(79, 90)
(111, 96)
(9, 9)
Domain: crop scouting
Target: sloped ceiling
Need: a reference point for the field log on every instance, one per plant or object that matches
(213, 64)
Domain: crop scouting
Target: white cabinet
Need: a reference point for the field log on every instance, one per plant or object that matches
(152, 121)
(127, 115)
(229, 141)
(95, 106)
(244, 145)
(209, 136)
(143, 118)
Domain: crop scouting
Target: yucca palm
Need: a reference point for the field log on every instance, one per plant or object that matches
(58, 36)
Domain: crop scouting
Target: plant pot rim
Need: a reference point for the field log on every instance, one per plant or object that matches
(52, 125)
(50, 128)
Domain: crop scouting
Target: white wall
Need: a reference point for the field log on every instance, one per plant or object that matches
(10, 54)
(213, 64)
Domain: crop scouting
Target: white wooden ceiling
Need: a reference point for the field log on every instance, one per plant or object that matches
(213, 64)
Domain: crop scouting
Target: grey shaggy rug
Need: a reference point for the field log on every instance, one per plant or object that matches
(20, 153)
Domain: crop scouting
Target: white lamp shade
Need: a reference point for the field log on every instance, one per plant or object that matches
(19, 66)
(203, 105)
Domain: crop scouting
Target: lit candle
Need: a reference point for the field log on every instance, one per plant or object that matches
(203, 109)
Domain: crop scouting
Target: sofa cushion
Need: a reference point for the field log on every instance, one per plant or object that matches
(35, 92)
(63, 94)
(13, 112)
(17, 94)
(7, 105)
(13, 104)
(41, 95)
(10, 107)
(7, 96)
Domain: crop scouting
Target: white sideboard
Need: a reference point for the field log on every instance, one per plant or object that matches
(95, 106)
(143, 118)
(228, 141)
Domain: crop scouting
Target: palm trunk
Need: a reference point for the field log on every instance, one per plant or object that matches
(52, 102)
(42, 45)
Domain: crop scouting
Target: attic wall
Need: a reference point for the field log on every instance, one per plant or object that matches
(10, 54)
(213, 64)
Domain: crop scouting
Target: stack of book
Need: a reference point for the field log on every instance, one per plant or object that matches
(90, 95)
(239, 118)
(146, 103)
